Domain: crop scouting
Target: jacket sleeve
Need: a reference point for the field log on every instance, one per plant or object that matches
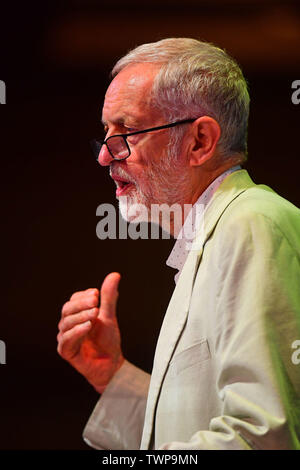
(256, 321)
(116, 422)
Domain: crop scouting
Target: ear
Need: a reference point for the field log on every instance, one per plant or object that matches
(206, 133)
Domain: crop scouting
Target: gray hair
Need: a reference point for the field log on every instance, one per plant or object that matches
(197, 78)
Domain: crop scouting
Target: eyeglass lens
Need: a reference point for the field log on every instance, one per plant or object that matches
(117, 147)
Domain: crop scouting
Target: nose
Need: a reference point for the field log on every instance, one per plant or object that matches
(104, 157)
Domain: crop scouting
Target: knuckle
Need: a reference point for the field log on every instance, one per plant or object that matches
(61, 347)
(67, 323)
(92, 290)
(73, 296)
(64, 324)
(65, 308)
(72, 321)
(91, 301)
(84, 315)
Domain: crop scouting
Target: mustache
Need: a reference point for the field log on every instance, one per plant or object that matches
(118, 171)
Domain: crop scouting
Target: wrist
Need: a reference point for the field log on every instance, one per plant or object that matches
(100, 387)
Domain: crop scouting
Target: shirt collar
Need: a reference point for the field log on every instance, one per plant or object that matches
(180, 250)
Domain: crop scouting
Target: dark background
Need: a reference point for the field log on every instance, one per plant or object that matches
(55, 59)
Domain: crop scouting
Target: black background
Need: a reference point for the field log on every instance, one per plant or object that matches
(55, 60)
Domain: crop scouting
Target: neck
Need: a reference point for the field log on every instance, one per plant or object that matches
(203, 178)
(200, 184)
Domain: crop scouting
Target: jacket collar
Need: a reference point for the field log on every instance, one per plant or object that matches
(179, 253)
(177, 312)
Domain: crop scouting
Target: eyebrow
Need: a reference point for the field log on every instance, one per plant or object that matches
(115, 121)
(121, 120)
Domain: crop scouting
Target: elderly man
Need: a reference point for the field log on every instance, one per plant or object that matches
(223, 377)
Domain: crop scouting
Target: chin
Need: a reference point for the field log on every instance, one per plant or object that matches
(133, 211)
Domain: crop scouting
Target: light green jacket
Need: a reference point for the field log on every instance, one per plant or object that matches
(226, 373)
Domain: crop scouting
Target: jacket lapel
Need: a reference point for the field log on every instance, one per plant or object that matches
(177, 312)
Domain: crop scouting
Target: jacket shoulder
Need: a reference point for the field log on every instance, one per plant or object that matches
(259, 202)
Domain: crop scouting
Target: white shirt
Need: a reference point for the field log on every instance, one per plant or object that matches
(180, 250)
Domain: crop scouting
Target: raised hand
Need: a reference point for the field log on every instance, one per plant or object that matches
(89, 336)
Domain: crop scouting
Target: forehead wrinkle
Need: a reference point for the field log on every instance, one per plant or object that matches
(125, 97)
(120, 110)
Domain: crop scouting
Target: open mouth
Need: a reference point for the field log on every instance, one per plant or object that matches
(122, 185)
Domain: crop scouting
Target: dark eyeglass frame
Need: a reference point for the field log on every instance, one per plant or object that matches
(97, 144)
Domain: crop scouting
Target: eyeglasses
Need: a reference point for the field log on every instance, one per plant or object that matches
(118, 146)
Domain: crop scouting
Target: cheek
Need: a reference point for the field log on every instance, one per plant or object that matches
(145, 161)
(153, 150)
(138, 163)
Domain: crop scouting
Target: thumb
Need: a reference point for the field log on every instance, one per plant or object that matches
(109, 295)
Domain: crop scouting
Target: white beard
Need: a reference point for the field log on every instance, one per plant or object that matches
(133, 211)
(167, 183)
